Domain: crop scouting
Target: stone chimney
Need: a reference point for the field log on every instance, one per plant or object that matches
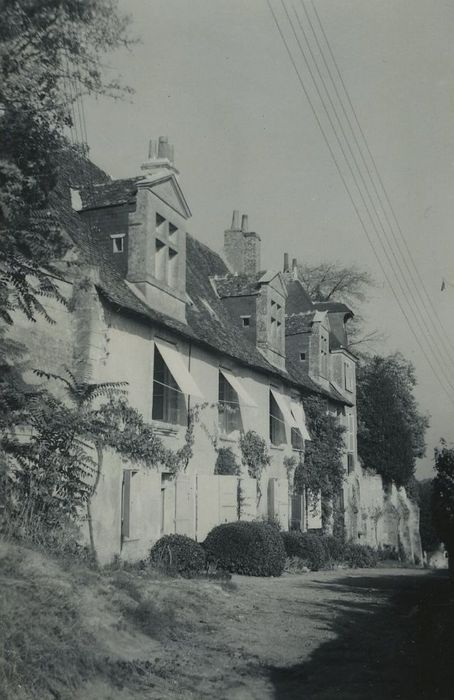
(160, 157)
(241, 247)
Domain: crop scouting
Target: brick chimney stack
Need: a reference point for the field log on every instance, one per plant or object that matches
(242, 247)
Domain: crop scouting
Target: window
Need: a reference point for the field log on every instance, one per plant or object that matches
(302, 356)
(277, 425)
(160, 260)
(172, 229)
(350, 462)
(168, 400)
(173, 267)
(246, 321)
(228, 407)
(159, 220)
(117, 243)
(126, 503)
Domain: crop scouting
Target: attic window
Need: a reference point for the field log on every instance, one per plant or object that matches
(246, 321)
(118, 243)
(159, 220)
(172, 228)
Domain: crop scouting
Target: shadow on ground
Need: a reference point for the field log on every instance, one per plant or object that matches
(394, 640)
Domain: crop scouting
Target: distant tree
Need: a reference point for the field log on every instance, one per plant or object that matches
(391, 430)
(322, 469)
(50, 55)
(430, 539)
(443, 496)
(333, 282)
(349, 284)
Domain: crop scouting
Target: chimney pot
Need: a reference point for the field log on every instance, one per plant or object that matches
(235, 220)
(163, 147)
(244, 223)
(286, 262)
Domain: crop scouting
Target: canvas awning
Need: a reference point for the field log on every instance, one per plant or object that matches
(237, 385)
(300, 418)
(178, 370)
(284, 408)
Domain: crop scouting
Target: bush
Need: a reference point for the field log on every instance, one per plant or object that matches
(226, 463)
(178, 554)
(306, 546)
(251, 548)
(335, 547)
(360, 556)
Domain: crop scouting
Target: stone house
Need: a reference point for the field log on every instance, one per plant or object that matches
(185, 326)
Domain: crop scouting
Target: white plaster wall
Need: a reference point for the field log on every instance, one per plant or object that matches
(379, 518)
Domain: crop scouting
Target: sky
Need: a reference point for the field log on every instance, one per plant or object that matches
(214, 76)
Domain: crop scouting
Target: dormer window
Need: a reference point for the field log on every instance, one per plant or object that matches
(118, 242)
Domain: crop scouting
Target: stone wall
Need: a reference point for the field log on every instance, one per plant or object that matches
(381, 517)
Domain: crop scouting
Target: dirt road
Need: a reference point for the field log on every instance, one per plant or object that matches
(344, 635)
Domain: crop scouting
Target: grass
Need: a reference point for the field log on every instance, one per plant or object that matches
(46, 652)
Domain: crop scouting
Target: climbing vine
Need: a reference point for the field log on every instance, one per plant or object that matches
(322, 470)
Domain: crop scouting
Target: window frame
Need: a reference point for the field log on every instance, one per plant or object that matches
(277, 427)
(229, 409)
(167, 392)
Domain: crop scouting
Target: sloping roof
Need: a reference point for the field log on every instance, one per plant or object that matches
(107, 194)
(209, 322)
(298, 299)
(333, 307)
(237, 285)
(299, 323)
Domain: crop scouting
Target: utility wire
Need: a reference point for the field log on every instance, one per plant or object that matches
(406, 255)
(398, 277)
(342, 177)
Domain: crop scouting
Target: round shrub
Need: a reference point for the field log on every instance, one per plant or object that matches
(251, 548)
(306, 546)
(360, 556)
(335, 548)
(178, 554)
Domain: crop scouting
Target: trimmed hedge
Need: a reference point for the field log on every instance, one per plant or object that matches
(178, 554)
(250, 548)
(306, 546)
(360, 556)
(335, 548)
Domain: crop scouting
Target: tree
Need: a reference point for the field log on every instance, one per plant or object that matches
(322, 470)
(391, 430)
(429, 537)
(443, 495)
(348, 284)
(50, 55)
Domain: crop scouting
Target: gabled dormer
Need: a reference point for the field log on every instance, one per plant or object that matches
(157, 234)
(141, 224)
(255, 298)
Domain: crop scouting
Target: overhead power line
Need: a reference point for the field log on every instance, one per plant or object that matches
(345, 183)
(399, 237)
